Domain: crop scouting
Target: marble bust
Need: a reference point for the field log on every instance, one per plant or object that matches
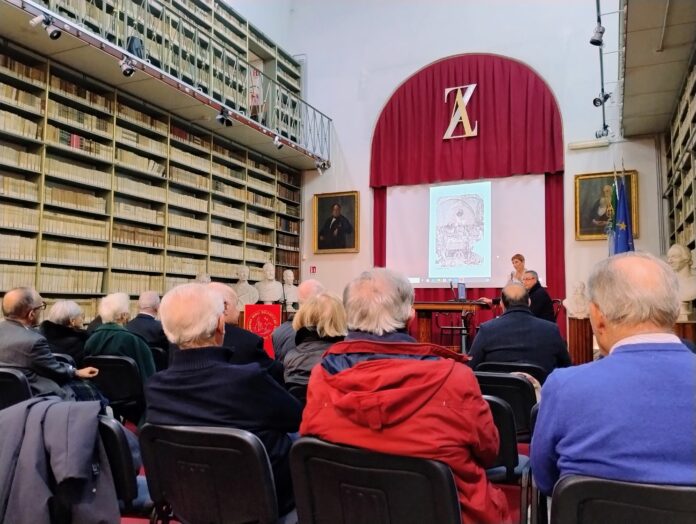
(246, 293)
(290, 290)
(578, 305)
(680, 260)
(270, 290)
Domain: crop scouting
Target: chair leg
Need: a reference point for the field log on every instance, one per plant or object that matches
(524, 496)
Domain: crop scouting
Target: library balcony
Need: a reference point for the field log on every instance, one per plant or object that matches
(198, 60)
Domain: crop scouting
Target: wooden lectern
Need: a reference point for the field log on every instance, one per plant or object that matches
(425, 310)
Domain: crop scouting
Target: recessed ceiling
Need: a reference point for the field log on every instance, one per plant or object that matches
(660, 38)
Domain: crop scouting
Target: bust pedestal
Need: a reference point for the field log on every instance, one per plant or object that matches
(580, 340)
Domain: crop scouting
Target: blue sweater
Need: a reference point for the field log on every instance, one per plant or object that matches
(630, 417)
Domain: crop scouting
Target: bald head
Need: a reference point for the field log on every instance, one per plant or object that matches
(514, 294)
(204, 328)
(308, 289)
(20, 304)
(229, 296)
(635, 288)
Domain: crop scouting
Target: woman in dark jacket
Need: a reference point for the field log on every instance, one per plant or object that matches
(63, 330)
(320, 322)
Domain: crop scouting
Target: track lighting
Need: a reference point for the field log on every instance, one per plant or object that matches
(322, 164)
(277, 142)
(126, 67)
(601, 99)
(223, 118)
(47, 23)
(601, 133)
(598, 36)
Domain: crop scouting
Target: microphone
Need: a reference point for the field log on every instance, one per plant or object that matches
(454, 293)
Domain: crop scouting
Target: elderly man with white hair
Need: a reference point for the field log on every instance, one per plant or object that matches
(201, 388)
(112, 338)
(632, 415)
(381, 390)
(283, 337)
(145, 322)
(63, 329)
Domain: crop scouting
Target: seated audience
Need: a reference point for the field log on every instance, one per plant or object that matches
(63, 330)
(112, 338)
(23, 348)
(283, 337)
(631, 415)
(320, 323)
(201, 388)
(243, 346)
(145, 322)
(382, 391)
(518, 336)
(540, 301)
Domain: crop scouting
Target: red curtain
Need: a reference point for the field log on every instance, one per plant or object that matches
(519, 132)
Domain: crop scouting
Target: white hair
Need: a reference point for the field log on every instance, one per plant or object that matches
(190, 313)
(64, 311)
(308, 289)
(379, 301)
(113, 306)
(149, 300)
(633, 288)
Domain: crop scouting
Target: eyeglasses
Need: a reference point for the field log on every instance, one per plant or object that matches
(528, 278)
(41, 307)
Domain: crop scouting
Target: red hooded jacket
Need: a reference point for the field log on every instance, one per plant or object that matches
(409, 399)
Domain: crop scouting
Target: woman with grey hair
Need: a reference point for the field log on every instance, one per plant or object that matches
(112, 338)
(63, 330)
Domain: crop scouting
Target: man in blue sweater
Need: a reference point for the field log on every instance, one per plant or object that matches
(630, 416)
(201, 388)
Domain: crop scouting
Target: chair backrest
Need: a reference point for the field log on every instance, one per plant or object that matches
(579, 499)
(504, 421)
(345, 485)
(160, 357)
(516, 391)
(14, 387)
(206, 474)
(120, 459)
(118, 378)
(537, 372)
(557, 306)
(299, 391)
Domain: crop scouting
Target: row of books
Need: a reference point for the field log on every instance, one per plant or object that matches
(136, 260)
(186, 177)
(189, 159)
(138, 236)
(187, 242)
(18, 155)
(18, 217)
(223, 269)
(130, 159)
(260, 200)
(15, 276)
(15, 247)
(35, 74)
(72, 140)
(76, 198)
(288, 225)
(287, 258)
(226, 231)
(290, 194)
(218, 249)
(75, 226)
(17, 186)
(191, 138)
(260, 236)
(187, 265)
(189, 223)
(287, 242)
(228, 172)
(57, 280)
(79, 118)
(90, 97)
(223, 209)
(137, 212)
(14, 123)
(137, 187)
(128, 113)
(283, 207)
(257, 255)
(188, 202)
(73, 253)
(231, 191)
(261, 185)
(140, 140)
(134, 284)
(259, 220)
(77, 172)
(239, 156)
(15, 96)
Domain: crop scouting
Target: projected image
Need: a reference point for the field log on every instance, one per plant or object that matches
(459, 236)
(459, 226)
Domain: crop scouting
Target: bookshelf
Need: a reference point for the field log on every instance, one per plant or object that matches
(680, 176)
(101, 193)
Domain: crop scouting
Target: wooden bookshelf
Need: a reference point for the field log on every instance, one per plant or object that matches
(102, 193)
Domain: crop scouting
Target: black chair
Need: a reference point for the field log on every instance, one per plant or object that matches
(160, 357)
(535, 371)
(132, 495)
(516, 391)
(14, 387)
(299, 391)
(204, 474)
(346, 485)
(64, 358)
(119, 381)
(579, 499)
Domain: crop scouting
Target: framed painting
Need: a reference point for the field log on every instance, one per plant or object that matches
(593, 205)
(337, 222)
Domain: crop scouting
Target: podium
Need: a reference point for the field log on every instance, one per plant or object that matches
(425, 310)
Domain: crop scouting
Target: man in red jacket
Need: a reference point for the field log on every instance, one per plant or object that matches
(382, 391)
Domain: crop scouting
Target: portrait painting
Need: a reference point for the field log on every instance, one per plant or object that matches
(336, 222)
(594, 208)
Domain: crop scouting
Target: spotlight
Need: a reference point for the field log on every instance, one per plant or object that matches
(126, 67)
(598, 36)
(47, 23)
(322, 164)
(223, 119)
(601, 99)
(277, 142)
(601, 133)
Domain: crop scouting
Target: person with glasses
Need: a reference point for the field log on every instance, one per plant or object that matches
(23, 348)
(540, 301)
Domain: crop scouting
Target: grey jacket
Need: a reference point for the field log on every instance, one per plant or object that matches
(50, 450)
(309, 349)
(28, 351)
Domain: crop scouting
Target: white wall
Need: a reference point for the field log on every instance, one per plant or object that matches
(359, 51)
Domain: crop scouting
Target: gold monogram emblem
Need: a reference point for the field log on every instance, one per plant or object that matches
(459, 114)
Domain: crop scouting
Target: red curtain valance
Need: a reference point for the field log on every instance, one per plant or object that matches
(519, 126)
